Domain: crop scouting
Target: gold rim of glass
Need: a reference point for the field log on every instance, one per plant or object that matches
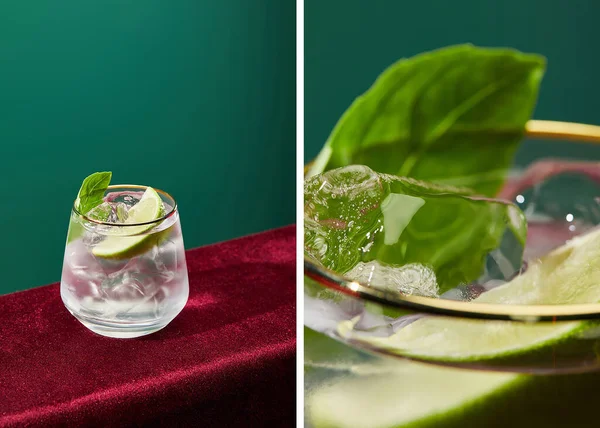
(130, 187)
(573, 132)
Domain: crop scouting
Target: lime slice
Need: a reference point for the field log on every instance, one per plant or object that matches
(127, 241)
(567, 275)
(403, 394)
(400, 394)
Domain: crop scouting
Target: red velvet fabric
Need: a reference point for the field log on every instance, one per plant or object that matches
(228, 359)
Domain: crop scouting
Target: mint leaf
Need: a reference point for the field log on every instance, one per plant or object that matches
(92, 191)
(354, 214)
(452, 116)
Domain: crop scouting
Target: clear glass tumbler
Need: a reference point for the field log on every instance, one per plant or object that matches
(140, 284)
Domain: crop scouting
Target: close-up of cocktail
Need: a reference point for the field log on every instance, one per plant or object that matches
(460, 287)
(507, 284)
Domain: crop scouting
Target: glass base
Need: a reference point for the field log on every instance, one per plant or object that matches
(121, 330)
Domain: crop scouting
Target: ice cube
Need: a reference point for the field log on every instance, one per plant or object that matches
(159, 301)
(102, 212)
(141, 277)
(432, 234)
(128, 284)
(161, 262)
(340, 206)
(127, 198)
(555, 213)
(81, 270)
(109, 212)
(121, 212)
(90, 238)
(124, 285)
(412, 278)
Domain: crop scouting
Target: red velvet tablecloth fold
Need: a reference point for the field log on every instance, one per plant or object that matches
(228, 359)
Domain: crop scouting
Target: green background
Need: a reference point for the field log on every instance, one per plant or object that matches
(348, 43)
(193, 97)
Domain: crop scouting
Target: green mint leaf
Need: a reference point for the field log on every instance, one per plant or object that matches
(353, 214)
(452, 116)
(92, 191)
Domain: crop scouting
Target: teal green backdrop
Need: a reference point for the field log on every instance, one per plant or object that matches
(349, 42)
(193, 97)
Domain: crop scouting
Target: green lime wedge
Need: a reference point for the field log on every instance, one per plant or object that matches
(127, 241)
(567, 275)
(403, 394)
(400, 394)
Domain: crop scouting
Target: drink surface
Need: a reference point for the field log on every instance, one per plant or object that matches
(140, 289)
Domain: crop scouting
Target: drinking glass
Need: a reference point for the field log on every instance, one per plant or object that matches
(139, 285)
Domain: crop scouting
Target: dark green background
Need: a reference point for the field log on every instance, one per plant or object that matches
(349, 42)
(194, 97)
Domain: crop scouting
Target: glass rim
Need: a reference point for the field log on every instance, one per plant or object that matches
(453, 308)
(129, 186)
